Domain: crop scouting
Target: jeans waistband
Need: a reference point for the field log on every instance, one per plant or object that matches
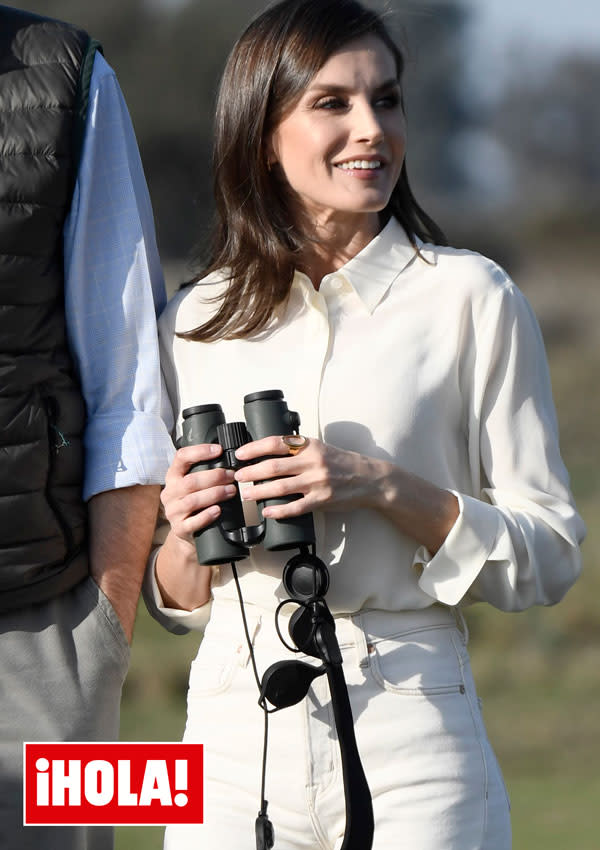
(351, 629)
(381, 624)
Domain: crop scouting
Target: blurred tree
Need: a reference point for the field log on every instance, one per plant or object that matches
(437, 99)
(552, 129)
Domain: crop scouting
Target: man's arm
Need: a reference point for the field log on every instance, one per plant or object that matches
(113, 291)
(121, 525)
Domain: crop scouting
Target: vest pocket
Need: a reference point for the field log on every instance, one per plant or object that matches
(56, 442)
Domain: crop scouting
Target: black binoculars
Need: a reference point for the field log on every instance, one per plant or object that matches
(228, 538)
(305, 578)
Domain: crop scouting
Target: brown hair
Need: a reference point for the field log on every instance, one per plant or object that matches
(268, 69)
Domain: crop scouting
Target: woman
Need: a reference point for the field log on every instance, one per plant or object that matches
(432, 465)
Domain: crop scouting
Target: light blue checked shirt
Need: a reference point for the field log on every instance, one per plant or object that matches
(114, 289)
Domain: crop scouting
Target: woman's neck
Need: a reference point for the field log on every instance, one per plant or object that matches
(333, 244)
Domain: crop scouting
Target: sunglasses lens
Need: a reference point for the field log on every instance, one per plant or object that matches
(286, 683)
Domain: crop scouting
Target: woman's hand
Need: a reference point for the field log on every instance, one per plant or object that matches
(190, 499)
(327, 478)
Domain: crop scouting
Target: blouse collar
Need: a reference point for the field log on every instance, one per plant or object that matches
(374, 269)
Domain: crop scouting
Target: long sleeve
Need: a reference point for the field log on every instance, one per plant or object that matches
(114, 290)
(516, 541)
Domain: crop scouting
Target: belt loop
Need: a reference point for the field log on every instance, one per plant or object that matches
(461, 624)
(360, 640)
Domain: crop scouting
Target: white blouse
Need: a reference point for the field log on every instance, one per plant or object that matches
(433, 362)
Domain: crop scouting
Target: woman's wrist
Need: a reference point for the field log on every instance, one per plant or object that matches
(380, 488)
(183, 582)
(419, 508)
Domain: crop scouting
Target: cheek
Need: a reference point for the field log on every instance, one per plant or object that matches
(398, 134)
(307, 140)
(307, 155)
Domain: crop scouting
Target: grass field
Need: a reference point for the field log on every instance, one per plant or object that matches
(538, 672)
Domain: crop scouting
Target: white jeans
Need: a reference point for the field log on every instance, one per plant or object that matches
(434, 779)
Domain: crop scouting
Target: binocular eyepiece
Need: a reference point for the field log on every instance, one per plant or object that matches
(228, 538)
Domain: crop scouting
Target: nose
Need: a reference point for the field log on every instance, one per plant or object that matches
(367, 125)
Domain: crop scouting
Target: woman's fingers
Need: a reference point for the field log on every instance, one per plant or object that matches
(320, 476)
(273, 445)
(307, 474)
(266, 469)
(201, 499)
(277, 461)
(196, 522)
(187, 456)
(326, 477)
(279, 488)
(191, 499)
(294, 508)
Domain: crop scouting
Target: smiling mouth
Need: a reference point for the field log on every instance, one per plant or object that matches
(360, 164)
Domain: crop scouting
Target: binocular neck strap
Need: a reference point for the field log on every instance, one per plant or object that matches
(358, 834)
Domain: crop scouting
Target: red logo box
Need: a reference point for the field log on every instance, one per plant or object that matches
(112, 783)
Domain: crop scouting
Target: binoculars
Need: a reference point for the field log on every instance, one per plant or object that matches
(306, 579)
(228, 538)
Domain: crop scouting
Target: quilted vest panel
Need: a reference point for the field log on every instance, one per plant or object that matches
(42, 413)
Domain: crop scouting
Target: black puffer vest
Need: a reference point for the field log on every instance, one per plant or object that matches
(45, 67)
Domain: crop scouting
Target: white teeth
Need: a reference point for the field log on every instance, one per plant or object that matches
(359, 163)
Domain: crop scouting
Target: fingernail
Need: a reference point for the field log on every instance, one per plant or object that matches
(230, 489)
(240, 453)
(215, 448)
(214, 510)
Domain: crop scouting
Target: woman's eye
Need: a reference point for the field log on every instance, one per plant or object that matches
(390, 101)
(330, 103)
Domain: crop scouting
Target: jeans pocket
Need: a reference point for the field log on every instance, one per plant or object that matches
(422, 662)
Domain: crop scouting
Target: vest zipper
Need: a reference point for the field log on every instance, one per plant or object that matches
(56, 442)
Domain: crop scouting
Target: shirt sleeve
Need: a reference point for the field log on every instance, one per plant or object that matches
(516, 540)
(114, 289)
(175, 620)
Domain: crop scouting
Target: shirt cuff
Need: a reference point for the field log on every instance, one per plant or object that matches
(448, 575)
(132, 447)
(176, 620)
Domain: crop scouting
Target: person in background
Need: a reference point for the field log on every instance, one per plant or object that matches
(431, 461)
(84, 428)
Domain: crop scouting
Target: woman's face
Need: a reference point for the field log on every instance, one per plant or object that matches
(342, 145)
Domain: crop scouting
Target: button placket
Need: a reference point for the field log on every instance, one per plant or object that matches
(318, 350)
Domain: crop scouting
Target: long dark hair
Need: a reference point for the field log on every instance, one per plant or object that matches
(254, 239)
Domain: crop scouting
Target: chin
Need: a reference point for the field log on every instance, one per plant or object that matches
(370, 206)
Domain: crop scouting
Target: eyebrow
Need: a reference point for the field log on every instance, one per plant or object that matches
(335, 88)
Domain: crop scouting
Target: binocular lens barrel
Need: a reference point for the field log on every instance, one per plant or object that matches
(266, 414)
(200, 425)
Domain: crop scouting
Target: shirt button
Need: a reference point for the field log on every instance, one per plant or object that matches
(337, 284)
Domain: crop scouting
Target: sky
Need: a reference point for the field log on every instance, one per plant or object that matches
(552, 23)
(530, 29)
